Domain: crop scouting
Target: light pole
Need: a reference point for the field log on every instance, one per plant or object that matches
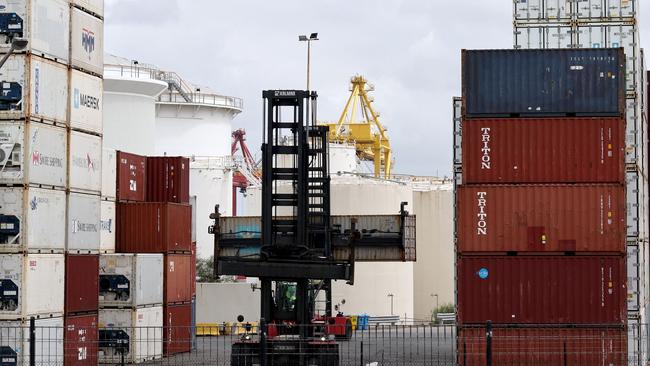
(303, 38)
(436, 296)
(392, 296)
(17, 44)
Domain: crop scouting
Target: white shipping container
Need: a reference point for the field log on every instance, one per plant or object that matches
(92, 6)
(87, 42)
(531, 11)
(86, 92)
(634, 276)
(83, 223)
(34, 87)
(591, 9)
(622, 9)
(107, 227)
(535, 36)
(32, 219)
(142, 329)
(85, 162)
(31, 284)
(44, 23)
(33, 154)
(14, 336)
(109, 174)
(130, 280)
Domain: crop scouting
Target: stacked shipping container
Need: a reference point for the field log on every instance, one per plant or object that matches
(540, 199)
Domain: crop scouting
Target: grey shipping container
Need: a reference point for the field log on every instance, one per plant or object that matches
(551, 82)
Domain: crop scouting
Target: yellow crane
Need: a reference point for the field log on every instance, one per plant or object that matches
(368, 134)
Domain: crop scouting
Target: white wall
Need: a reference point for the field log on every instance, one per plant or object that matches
(223, 302)
(211, 186)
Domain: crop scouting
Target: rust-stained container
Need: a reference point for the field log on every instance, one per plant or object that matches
(80, 340)
(131, 177)
(193, 269)
(178, 278)
(153, 227)
(544, 346)
(168, 179)
(541, 218)
(81, 284)
(544, 150)
(177, 329)
(542, 290)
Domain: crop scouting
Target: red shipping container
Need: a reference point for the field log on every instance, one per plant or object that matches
(178, 278)
(544, 150)
(168, 179)
(193, 270)
(80, 340)
(81, 283)
(542, 290)
(177, 329)
(153, 227)
(131, 177)
(541, 218)
(544, 346)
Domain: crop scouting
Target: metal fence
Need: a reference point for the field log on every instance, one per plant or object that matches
(327, 345)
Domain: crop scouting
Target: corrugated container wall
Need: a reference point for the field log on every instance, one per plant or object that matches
(81, 284)
(544, 150)
(153, 227)
(37, 280)
(557, 82)
(86, 98)
(109, 174)
(81, 339)
(83, 223)
(543, 218)
(33, 154)
(107, 227)
(85, 163)
(34, 219)
(143, 331)
(131, 177)
(86, 42)
(177, 331)
(44, 23)
(14, 339)
(542, 290)
(130, 280)
(28, 92)
(95, 7)
(168, 179)
(178, 278)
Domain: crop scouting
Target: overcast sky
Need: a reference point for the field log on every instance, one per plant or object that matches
(410, 51)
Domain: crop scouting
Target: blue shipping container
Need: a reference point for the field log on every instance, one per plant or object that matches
(544, 83)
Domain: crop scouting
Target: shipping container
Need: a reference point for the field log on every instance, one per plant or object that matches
(33, 219)
(44, 23)
(86, 98)
(634, 277)
(140, 329)
(544, 346)
(81, 338)
(544, 150)
(28, 92)
(193, 204)
(178, 278)
(31, 285)
(109, 174)
(81, 284)
(543, 36)
(193, 269)
(538, 11)
(107, 227)
(86, 42)
(541, 290)
(153, 227)
(83, 223)
(130, 280)
(177, 329)
(95, 7)
(168, 179)
(559, 82)
(85, 163)
(194, 322)
(131, 177)
(541, 218)
(14, 342)
(33, 154)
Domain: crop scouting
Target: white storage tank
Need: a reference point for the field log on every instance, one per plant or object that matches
(85, 163)
(140, 328)
(83, 223)
(130, 280)
(86, 109)
(33, 220)
(44, 23)
(31, 285)
(33, 154)
(86, 42)
(109, 174)
(95, 7)
(34, 87)
(342, 158)
(14, 336)
(107, 227)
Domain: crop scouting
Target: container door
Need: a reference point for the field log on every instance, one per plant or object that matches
(626, 36)
(633, 278)
(109, 174)
(149, 279)
(621, 8)
(148, 333)
(44, 284)
(591, 37)
(590, 9)
(528, 10)
(85, 163)
(83, 223)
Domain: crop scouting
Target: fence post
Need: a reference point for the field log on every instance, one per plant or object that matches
(263, 332)
(362, 363)
(488, 343)
(32, 341)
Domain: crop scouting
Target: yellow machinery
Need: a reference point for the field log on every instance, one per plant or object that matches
(367, 134)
